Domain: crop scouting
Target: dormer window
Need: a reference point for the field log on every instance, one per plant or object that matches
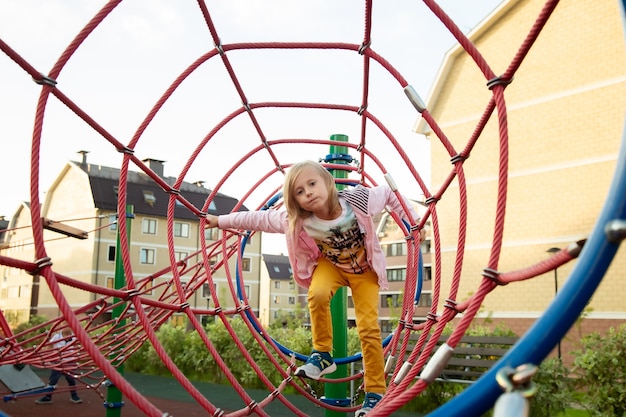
(148, 197)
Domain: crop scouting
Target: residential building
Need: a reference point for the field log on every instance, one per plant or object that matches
(84, 196)
(279, 292)
(565, 117)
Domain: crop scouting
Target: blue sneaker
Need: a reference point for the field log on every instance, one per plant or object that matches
(319, 364)
(371, 399)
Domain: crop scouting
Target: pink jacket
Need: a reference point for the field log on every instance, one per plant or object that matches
(303, 252)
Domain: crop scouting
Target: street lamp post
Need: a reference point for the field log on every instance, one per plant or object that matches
(552, 251)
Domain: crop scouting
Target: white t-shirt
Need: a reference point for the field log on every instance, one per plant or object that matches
(340, 240)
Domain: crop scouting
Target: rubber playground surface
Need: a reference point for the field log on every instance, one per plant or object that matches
(165, 394)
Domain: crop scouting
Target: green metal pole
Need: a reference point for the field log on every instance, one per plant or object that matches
(338, 393)
(114, 395)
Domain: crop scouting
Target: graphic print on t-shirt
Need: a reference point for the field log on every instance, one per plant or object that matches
(340, 240)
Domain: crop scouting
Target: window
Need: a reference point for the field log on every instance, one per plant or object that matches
(292, 285)
(427, 273)
(425, 246)
(113, 222)
(111, 253)
(212, 234)
(277, 299)
(206, 293)
(277, 285)
(180, 255)
(178, 320)
(25, 291)
(148, 226)
(147, 289)
(110, 282)
(426, 300)
(386, 326)
(149, 198)
(292, 300)
(396, 274)
(395, 249)
(146, 256)
(181, 229)
(245, 264)
(391, 300)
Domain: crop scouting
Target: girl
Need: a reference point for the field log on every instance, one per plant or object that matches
(331, 242)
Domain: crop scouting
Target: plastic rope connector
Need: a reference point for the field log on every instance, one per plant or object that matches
(406, 367)
(389, 364)
(437, 363)
(391, 182)
(414, 98)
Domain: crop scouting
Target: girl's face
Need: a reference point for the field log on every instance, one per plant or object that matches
(311, 193)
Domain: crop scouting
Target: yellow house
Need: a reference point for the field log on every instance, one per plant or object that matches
(565, 114)
(84, 197)
(16, 288)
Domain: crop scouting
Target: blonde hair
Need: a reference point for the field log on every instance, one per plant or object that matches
(294, 211)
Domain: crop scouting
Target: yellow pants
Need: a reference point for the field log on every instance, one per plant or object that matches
(326, 280)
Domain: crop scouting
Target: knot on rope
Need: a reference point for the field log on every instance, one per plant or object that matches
(498, 81)
(41, 263)
(173, 191)
(493, 275)
(183, 307)
(431, 200)
(363, 47)
(218, 412)
(219, 47)
(45, 80)
(252, 405)
(451, 304)
(131, 293)
(126, 150)
(459, 157)
(432, 317)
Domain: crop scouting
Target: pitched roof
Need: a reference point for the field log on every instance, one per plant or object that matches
(146, 196)
(4, 224)
(278, 266)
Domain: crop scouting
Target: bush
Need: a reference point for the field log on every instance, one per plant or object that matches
(554, 389)
(600, 370)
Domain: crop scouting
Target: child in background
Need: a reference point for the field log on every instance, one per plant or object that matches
(331, 243)
(60, 340)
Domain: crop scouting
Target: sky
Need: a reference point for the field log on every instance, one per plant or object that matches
(132, 57)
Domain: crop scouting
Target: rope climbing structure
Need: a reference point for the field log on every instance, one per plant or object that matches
(119, 320)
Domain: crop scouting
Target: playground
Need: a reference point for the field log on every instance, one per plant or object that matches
(245, 131)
